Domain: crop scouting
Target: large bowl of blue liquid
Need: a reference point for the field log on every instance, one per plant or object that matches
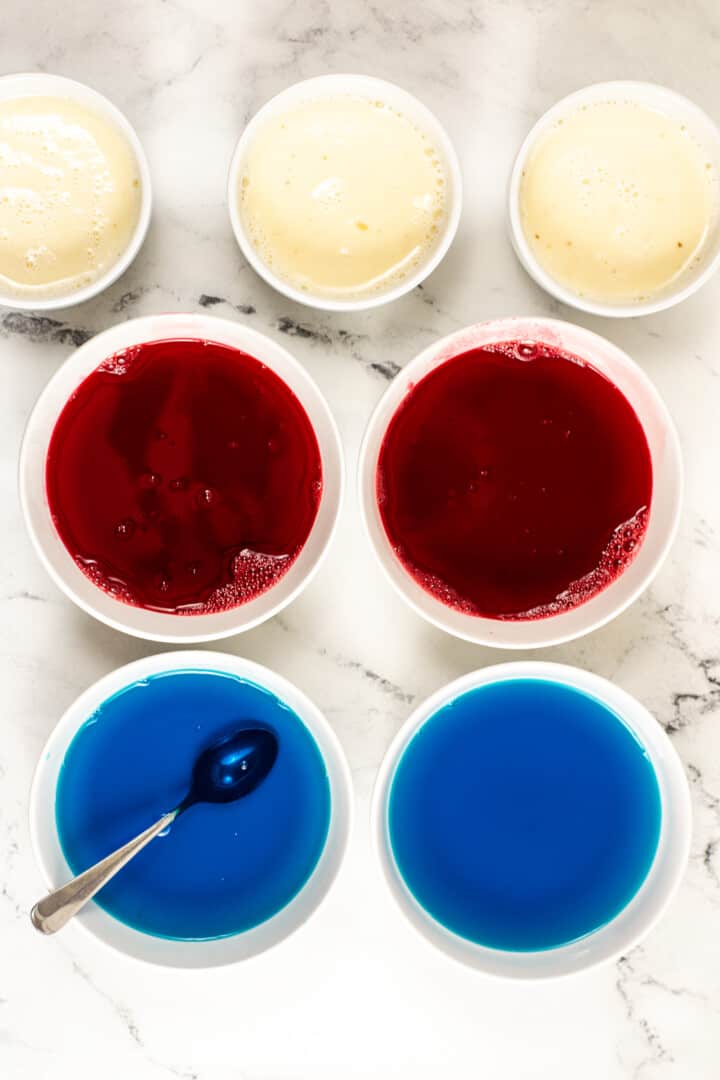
(226, 881)
(532, 820)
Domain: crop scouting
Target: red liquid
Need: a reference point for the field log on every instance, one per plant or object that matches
(184, 476)
(514, 482)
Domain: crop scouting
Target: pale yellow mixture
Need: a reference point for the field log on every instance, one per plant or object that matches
(616, 200)
(69, 196)
(342, 197)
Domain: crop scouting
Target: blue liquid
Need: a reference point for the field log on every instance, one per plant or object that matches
(524, 815)
(220, 869)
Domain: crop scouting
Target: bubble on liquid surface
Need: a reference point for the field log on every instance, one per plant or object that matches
(105, 580)
(526, 350)
(615, 559)
(162, 582)
(120, 363)
(124, 530)
(253, 573)
(150, 480)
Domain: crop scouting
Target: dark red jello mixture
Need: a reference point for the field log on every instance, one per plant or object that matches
(184, 476)
(514, 482)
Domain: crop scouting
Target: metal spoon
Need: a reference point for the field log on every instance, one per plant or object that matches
(228, 770)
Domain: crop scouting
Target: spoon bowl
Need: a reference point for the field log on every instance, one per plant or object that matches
(232, 767)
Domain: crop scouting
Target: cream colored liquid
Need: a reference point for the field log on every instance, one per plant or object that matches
(342, 197)
(616, 200)
(69, 196)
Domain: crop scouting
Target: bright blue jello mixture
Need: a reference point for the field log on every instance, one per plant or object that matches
(524, 815)
(220, 869)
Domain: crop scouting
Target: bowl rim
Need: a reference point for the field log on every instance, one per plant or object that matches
(62, 86)
(340, 84)
(631, 88)
(479, 630)
(656, 891)
(183, 954)
(86, 358)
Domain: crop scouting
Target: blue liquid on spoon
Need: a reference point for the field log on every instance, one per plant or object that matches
(220, 869)
(524, 815)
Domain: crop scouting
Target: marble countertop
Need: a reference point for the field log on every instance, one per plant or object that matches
(355, 993)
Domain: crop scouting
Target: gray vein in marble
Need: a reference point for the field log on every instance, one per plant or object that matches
(24, 594)
(704, 535)
(11, 850)
(711, 801)
(7, 895)
(320, 333)
(419, 25)
(709, 853)
(707, 363)
(657, 1052)
(309, 36)
(314, 332)
(128, 1022)
(386, 686)
(380, 682)
(431, 301)
(41, 329)
(685, 703)
(388, 369)
(128, 299)
(293, 328)
(207, 301)
(7, 1038)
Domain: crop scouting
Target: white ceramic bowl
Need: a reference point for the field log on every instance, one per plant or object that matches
(93, 921)
(155, 625)
(642, 911)
(664, 511)
(662, 100)
(38, 84)
(332, 86)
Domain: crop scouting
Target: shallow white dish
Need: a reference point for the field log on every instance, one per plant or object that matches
(664, 511)
(644, 909)
(93, 922)
(662, 100)
(39, 84)
(159, 626)
(332, 86)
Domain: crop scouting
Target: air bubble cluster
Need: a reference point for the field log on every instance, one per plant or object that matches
(616, 557)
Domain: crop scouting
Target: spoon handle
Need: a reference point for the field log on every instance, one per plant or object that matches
(54, 910)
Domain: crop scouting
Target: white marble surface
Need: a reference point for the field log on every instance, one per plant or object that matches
(355, 994)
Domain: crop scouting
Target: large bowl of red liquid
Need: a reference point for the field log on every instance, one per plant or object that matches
(181, 477)
(520, 482)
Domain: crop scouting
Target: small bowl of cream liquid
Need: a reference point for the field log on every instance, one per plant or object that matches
(614, 199)
(75, 193)
(344, 192)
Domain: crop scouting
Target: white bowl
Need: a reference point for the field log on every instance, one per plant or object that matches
(643, 910)
(664, 511)
(365, 86)
(38, 84)
(158, 626)
(93, 921)
(662, 100)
